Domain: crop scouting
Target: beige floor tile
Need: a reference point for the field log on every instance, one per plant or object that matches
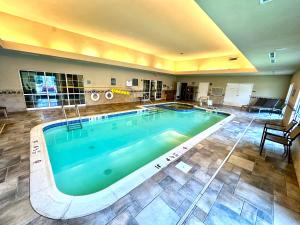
(241, 162)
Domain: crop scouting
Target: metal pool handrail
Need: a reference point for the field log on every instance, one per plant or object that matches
(73, 124)
(78, 114)
(65, 115)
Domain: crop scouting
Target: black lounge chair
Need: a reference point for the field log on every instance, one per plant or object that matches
(257, 103)
(286, 141)
(268, 105)
(271, 127)
(278, 108)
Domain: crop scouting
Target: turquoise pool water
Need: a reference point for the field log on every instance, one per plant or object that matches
(88, 160)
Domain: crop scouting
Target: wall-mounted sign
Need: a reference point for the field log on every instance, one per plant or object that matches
(135, 82)
(113, 81)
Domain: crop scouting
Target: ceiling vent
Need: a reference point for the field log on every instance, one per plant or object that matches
(272, 56)
(264, 1)
(233, 58)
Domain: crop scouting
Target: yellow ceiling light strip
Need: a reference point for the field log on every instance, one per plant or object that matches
(25, 35)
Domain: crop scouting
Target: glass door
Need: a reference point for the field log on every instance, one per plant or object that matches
(158, 90)
(152, 89)
(146, 89)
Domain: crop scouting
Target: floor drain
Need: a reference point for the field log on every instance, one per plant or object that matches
(107, 172)
(91, 147)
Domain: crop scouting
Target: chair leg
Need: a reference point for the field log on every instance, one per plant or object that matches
(263, 136)
(285, 151)
(289, 153)
(262, 146)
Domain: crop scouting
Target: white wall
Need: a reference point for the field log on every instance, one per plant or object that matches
(99, 75)
(264, 85)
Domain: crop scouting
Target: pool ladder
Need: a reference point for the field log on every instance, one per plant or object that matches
(75, 124)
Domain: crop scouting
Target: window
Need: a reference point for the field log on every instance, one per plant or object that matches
(291, 89)
(217, 91)
(296, 109)
(51, 89)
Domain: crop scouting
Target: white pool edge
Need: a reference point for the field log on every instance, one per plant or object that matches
(48, 201)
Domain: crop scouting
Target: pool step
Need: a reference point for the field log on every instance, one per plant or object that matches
(155, 109)
(152, 108)
(152, 112)
(74, 126)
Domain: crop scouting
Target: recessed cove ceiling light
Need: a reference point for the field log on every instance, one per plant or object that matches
(264, 1)
(280, 49)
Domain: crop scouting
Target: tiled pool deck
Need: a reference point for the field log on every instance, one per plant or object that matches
(249, 189)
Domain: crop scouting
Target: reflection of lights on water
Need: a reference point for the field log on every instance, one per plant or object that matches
(172, 135)
(166, 136)
(124, 150)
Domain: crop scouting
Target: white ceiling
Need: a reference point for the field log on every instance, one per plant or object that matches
(259, 29)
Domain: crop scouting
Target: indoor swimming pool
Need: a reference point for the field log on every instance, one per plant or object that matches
(77, 172)
(88, 160)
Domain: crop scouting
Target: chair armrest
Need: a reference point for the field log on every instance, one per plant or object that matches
(273, 124)
(274, 134)
(276, 128)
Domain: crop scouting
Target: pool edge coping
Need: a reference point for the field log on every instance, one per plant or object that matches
(48, 201)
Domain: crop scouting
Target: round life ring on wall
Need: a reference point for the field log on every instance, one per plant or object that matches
(95, 96)
(109, 95)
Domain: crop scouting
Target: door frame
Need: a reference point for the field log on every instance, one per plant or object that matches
(146, 92)
(150, 90)
(156, 82)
